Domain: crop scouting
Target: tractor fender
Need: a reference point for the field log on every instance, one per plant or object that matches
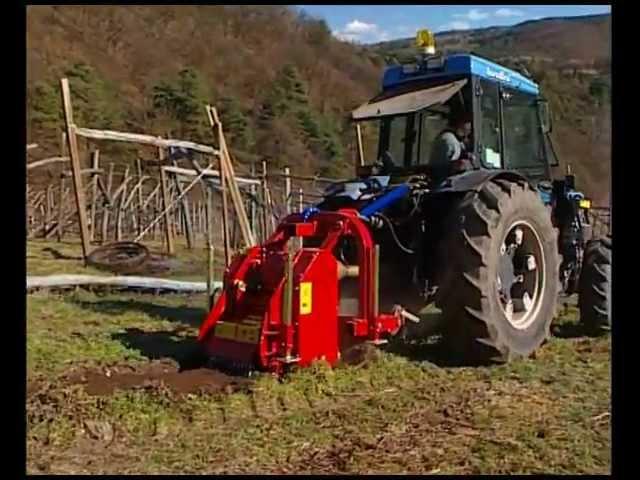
(474, 180)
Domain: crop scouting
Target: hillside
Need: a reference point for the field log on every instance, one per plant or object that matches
(273, 74)
(563, 41)
(284, 84)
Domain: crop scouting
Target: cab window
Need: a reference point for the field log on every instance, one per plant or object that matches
(489, 136)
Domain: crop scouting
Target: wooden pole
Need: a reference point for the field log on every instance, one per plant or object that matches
(360, 147)
(272, 221)
(165, 203)
(208, 207)
(60, 227)
(140, 200)
(252, 206)
(210, 277)
(48, 211)
(178, 221)
(184, 209)
(194, 219)
(265, 231)
(209, 216)
(95, 164)
(144, 140)
(28, 210)
(225, 203)
(228, 171)
(202, 216)
(287, 190)
(106, 210)
(156, 210)
(120, 210)
(76, 167)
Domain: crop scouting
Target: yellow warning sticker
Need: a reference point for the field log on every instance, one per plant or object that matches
(225, 330)
(305, 298)
(248, 334)
(237, 331)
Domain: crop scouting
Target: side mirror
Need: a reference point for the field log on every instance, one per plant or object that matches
(545, 116)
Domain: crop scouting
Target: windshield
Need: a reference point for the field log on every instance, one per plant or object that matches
(407, 140)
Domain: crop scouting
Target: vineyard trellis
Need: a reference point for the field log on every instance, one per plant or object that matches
(164, 197)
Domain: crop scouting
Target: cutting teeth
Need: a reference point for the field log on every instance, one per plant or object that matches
(231, 367)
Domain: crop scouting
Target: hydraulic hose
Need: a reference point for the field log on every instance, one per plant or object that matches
(393, 234)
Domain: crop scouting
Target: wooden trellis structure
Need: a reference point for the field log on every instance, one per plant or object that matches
(160, 198)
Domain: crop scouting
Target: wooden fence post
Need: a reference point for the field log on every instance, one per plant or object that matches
(165, 203)
(264, 217)
(106, 210)
(72, 142)
(121, 201)
(184, 209)
(60, 226)
(252, 205)
(95, 164)
(225, 203)
(287, 190)
(140, 201)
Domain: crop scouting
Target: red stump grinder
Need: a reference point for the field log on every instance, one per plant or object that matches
(282, 305)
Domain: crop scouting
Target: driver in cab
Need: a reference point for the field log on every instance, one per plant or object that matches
(450, 153)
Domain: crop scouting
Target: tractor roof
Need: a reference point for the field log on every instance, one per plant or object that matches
(455, 65)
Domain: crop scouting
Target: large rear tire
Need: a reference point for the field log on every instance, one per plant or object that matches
(594, 295)
(477, 292)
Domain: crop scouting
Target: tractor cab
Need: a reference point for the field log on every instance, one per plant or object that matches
(509, 119)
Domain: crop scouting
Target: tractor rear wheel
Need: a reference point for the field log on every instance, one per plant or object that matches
(594, 294)
(500, 282)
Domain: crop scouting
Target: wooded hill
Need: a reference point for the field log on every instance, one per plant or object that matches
(283, 84)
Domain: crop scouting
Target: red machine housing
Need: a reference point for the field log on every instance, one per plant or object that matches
(263, 320)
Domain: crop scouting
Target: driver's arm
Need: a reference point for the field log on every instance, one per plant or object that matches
(446, 148)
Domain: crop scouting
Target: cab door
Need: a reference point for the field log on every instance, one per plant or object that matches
(524, 147)
(487, 131)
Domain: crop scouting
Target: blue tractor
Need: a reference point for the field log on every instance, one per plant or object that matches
(490, 238)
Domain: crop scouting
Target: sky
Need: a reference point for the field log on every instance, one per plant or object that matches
(376, 23)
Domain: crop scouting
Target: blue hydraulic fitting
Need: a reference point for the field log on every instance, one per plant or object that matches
(385, 200)
(308, 212)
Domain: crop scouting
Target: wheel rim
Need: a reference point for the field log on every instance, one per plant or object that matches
(521, 275)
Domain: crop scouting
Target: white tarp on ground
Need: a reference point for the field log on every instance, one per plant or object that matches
(408, 102)
(143, 283)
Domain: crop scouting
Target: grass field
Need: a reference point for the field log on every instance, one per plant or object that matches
(400, 411)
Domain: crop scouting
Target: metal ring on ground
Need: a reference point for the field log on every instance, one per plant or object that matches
(119, 257)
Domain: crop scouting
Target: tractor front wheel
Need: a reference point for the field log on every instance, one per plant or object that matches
(499, 284)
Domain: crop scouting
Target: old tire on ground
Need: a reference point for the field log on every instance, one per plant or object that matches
(594, 295)
(119, 257)
(480, 321)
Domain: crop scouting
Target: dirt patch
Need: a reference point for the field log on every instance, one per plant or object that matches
(107, 380)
